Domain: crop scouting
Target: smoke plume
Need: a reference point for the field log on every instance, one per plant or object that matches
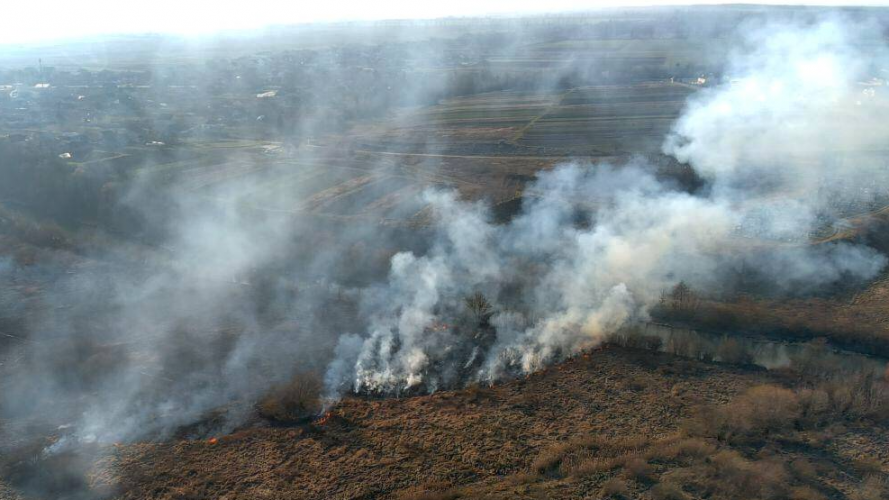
(595, 245)
(233, 299)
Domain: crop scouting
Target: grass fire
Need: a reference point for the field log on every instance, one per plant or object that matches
(446, 252)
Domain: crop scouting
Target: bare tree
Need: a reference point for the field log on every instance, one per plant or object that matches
(479, 307)
(683, 299)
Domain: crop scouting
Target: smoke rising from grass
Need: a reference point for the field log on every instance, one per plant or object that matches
(132, 352)
(596, 245)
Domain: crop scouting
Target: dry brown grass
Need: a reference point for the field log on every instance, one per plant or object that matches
(667, 491)
(867, 466)
(586, 455)
(549, 459)
(806, 493)
(614, 488)
(638, 469)
(428, 495)
(485, 450)
(861, 324)
(803, 469)
(687, 449)
(732, 450)
(872, 488)
(729, 473)
(758, 412)
(855, 396)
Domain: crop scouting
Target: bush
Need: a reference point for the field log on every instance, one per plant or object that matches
(549, 459)
(635, 338)
(732, 473)
(667, 491)
(806, 493)
(638, 469)
(804, 470)
(428, 495)
(614, 488)
(733, 352)
(298, 400)
(815, 406)
(852, 396)
(815, 359)
(867, 466)
(592, 454)
(635, 383)
(759, 411)
(588, 466)
(873, 488)
(653, 342)
(689, 449)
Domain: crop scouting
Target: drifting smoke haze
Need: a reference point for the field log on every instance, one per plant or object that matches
(590, 253)
(765, 142)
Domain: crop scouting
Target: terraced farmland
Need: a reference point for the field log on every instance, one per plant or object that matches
(590, 121)
(664, 53)
(608, 120)
(487, 146)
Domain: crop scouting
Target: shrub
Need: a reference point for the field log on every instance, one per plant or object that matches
(814, 406)
(428, 495)
(873, 488)
(759, 411)
(634, 338)
(860, 395)
(589, 466)
(298, 400)
(689, 449)
(667, 491)
(867, 466)
(592, 454)
(614, 488)
(815, 359)
(637, 469)
(679, 344)
(803, 469)
(635, 383)
(806, 493)
(549, 459)
(732, 473)
(652, 342)
(869, 396)
(733, 352)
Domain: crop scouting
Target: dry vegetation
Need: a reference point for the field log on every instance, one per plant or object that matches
(296, 401)
(614, 423)
(858, 323)
(770, 442)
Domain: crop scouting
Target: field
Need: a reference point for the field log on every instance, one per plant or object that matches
(520, 439)
(588, 121)
(199, 241)
(486, 146)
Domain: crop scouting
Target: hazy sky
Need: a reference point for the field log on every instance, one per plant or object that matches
(36, 20)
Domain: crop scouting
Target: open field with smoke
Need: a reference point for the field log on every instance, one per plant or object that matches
(561, 278)
(218, 267)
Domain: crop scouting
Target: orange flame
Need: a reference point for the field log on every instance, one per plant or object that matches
(213, 440)
(323, 420)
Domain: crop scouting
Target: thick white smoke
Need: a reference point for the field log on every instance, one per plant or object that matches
(595, 245)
